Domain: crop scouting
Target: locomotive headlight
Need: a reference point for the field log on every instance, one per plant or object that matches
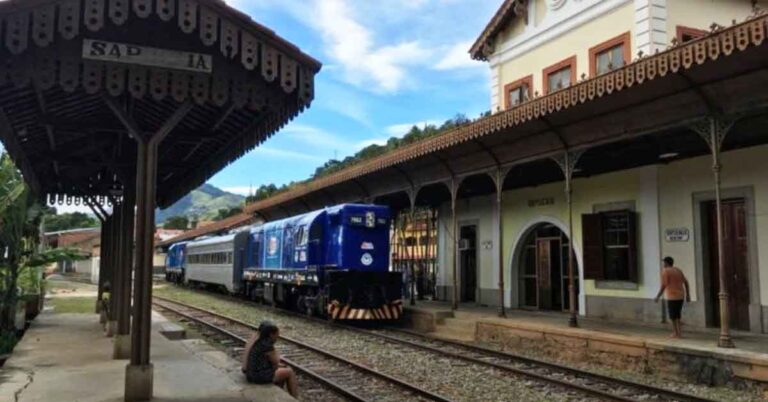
(370, 219)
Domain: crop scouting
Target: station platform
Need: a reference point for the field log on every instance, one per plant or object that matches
(695, 357)
(66, 357)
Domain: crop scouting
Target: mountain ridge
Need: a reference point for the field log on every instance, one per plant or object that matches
(202, 203)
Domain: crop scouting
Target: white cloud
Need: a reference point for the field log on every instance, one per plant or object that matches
(352, 46)
(284, 154)
(315, 137)
(399, 130)
(241, 190)
(457, 57)
(374, 141)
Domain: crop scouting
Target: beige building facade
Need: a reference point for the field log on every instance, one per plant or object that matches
(623, 221)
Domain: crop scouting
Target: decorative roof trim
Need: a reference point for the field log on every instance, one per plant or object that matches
(722, 42)
(679, 58)
(510, 8)
(258, 49)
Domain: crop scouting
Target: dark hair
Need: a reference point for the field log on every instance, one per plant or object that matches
(669, 261)
(266, 329)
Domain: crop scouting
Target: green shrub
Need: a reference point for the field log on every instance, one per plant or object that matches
(7, 342)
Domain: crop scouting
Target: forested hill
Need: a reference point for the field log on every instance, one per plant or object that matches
(203, 203)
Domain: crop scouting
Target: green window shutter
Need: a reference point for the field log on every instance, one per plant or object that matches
(592, 238)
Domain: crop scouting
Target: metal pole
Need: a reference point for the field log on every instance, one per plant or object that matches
(114, 226)
(500, 246)
(455, 221)
(412, 254)
(122, 345)
(716, 137)
(569, 164)
(102, 256)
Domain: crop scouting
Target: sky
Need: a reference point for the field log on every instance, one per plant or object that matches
(387, 65)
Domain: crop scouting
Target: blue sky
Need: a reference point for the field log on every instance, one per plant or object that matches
(387, 65)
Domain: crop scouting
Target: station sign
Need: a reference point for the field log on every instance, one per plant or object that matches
(146, 56)
(677, 235)
(541, 202)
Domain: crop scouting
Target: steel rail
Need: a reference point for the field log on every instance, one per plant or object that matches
(673, 395)
(308, 372)
(670, 394)
(403, 384)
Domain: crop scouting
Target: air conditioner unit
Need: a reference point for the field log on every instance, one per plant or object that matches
(465, 244)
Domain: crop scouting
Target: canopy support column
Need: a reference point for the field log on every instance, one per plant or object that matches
(412, 223)
(567, 163)
(714, 130)
(499, 179)
(455, 225)
(114, 264)
(122, 345)
(139, 372)
(102, 234)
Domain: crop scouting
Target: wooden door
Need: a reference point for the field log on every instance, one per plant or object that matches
(544, 273)
(736, 262)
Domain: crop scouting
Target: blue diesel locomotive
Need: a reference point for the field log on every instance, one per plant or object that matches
(333, 262)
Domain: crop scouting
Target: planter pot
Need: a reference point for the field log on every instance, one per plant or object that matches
(21, 315)
(33, 306)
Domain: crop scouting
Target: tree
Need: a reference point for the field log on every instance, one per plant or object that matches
(225, 213)
(75, 220)
(176, 223)
(21, 219)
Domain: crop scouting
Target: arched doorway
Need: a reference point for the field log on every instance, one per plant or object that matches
(543, 269)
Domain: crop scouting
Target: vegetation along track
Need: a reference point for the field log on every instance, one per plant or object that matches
(352, 381)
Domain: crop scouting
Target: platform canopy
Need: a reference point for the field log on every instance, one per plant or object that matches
(75, 73)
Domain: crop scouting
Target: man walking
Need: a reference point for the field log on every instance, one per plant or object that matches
(675, 284)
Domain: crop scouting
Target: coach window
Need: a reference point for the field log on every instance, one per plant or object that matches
(518, 91)
(301, 237)
(610, 55)
(610, 246)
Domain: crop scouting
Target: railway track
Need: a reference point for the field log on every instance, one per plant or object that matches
(569, 379)
(347, 379)
(597, 385)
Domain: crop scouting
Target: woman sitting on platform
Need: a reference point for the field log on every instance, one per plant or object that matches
(261, 363)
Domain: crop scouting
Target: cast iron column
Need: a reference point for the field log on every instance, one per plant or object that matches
(455, 221)
(102, 256)
(500, 246)
(414, 248)
(139, 373)
(714, 130)
(567, 164)
(122, 345)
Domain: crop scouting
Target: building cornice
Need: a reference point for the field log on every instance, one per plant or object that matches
(552, 29)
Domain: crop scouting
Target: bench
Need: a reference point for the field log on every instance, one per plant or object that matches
(173, 331)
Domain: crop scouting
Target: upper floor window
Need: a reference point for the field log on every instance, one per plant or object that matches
(560, 75)
(609, 55)
(518, 91)
(687, 34)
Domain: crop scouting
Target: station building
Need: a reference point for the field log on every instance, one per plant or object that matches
(624, 220)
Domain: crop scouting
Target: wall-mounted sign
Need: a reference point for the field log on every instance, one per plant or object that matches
(677, 234)
(146, 56)
(541, 202)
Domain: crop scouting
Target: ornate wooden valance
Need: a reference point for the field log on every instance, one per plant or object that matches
(49, 35)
